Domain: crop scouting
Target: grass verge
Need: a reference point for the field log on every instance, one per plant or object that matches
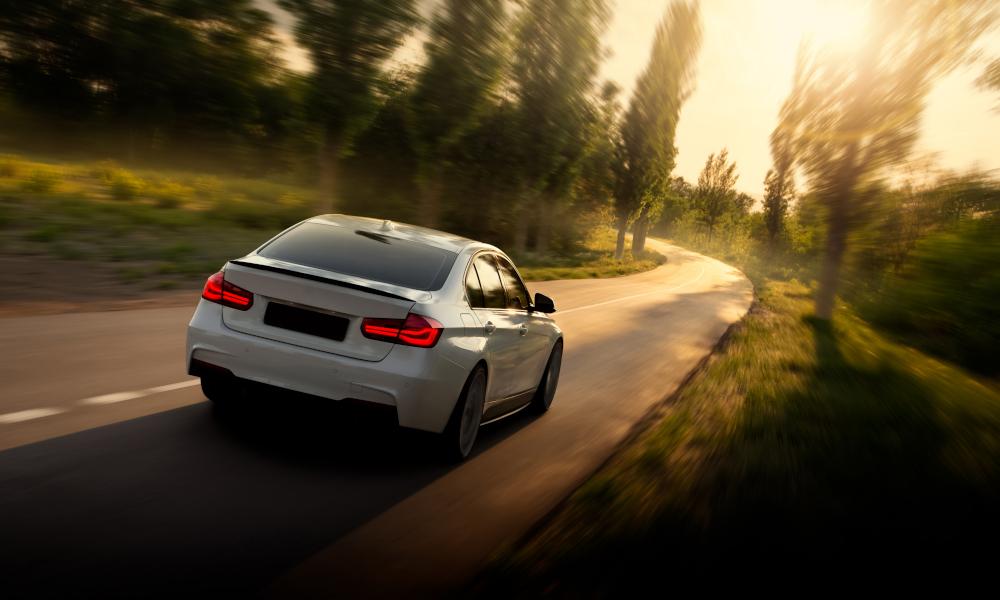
(801, 452)
(167, 228)
(594, 260)
(152, 230)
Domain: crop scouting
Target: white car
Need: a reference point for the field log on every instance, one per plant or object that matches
(438, 326)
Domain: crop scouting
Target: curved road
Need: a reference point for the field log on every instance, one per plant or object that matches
(117, 478)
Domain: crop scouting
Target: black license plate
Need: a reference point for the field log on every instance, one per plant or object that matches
(304, 320)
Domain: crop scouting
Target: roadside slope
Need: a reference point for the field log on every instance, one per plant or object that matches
(629, 343)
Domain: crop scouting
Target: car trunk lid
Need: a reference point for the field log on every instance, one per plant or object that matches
(312, 308)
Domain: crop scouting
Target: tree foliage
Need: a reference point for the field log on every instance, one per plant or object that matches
(779, 190)
(851, 115)
(466, 52)
(192, 69)
(716, 195)
(349, 42)
(991, 76)
(552, 81)
(646, 152)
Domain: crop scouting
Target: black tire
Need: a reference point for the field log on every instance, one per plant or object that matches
(466, 417)
(550, 380)
(222, 391)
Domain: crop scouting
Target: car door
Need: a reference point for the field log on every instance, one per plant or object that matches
(533, 329)
(503, 336)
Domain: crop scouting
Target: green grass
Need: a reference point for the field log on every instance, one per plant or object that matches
(801, 451)
(594, 260)
(177, 225)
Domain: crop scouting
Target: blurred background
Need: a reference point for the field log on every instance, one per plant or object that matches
(150, 141)
(843, 154)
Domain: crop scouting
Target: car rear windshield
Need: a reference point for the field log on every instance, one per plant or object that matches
(367, 254)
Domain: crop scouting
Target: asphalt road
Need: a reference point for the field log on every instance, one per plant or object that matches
(118, 479)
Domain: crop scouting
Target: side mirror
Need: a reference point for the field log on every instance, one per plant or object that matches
(544, 304)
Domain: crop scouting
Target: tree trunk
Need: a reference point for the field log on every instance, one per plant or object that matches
(620, 244)
(639, 232)
(833, 255)
(836, 234)
(430, 200)
(131, 144)
(329, 173)
(543, 227)
(520, 243)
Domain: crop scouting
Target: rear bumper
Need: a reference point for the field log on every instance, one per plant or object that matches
(421, 384)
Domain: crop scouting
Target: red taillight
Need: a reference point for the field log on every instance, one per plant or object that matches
(220, 291)
(415, 330)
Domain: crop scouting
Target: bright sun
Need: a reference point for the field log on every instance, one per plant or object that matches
(837, 24)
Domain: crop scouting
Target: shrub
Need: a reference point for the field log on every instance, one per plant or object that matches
(41, 181)
(124, 185)
(169, 194)
(45, 233)
(208, 190)
(104, 170)
(10, 166)
(945, 300)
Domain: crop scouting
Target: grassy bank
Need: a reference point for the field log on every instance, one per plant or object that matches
(595, 259)
(140, 231)
(801, 452)
(165, 228)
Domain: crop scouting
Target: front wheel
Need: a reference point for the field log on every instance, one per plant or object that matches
(463, 427)
(550, 380)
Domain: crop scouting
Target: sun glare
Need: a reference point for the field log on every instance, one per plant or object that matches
(838, 25)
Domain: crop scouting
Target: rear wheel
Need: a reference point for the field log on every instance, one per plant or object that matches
(463, 427)
(550, 380)
(219, 389)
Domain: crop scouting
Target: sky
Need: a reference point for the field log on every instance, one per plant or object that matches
(745, 72)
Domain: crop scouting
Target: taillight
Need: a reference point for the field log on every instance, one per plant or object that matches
(414, 330)
(220, 291)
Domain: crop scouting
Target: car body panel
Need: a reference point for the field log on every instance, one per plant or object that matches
(347, 303)
(423, 384)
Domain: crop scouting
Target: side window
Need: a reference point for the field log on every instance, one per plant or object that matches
(473, 289)
(517, 294)
(490, 280)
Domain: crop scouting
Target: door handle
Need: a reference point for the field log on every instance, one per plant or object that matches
(489, 327)
(523, 329)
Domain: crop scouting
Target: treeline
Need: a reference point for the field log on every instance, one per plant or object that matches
(503, 130)
(146, 79)
(923, 260)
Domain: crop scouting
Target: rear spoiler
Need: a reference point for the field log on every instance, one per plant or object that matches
(320, 278)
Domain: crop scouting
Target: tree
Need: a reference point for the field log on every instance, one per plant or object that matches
(645, 145)
(595, 185)
(715, 195)
(852, 115)
(678, 199)
(990, 78)
(559, 51)
(465, 54)
(186, 70)
(778, 190)
(348, 42)
(779, 184)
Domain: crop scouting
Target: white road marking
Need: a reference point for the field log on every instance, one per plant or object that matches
(132, 395)
(639, 295)
(112, 398)
(27, 415)
(37, 413)
(174, 386)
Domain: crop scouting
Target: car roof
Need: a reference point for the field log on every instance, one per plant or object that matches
(413, 233)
